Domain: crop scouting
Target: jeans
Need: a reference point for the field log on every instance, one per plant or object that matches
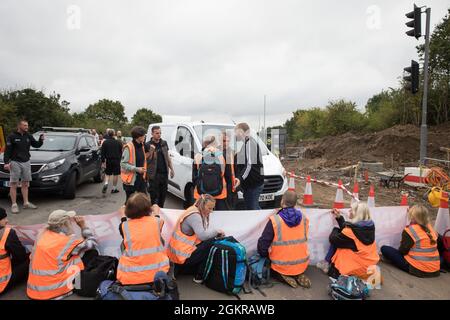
(139, 186)
(157, 187)
(251, 197)
(195, 264)
(330, 253)
(395, 257)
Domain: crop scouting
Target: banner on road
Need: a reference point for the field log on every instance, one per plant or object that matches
(245, 226)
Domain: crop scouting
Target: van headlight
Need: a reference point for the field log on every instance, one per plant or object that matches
(53, 165)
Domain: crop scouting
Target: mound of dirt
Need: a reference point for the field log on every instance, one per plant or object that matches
(396, 146)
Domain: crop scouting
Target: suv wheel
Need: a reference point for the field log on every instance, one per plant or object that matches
(100, 176)
(189, 196)
(69, 190)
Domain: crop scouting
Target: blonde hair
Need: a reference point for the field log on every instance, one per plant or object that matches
(200, 204)
(361, 212)
(421, 216)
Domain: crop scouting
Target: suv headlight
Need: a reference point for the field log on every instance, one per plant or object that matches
(53, 165)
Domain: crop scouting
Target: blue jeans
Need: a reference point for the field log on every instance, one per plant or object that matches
(251, 197)
(330, 254)
(395, 257)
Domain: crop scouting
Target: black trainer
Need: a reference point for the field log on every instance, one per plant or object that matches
(105, 187)
(115, 191)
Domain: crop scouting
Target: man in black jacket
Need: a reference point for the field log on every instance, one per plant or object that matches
(17, 162)
(111, 155)
(15, 252)
(158, 166)
(250, 169)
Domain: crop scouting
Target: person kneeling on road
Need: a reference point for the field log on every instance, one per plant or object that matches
(353, 248)
(192, 238)
(56, 256)
(14, 258)
(143, 253)
(284, 242)
(418, 252)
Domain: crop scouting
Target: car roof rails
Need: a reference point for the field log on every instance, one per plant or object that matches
(64, 129)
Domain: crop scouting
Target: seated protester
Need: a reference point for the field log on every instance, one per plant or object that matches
(353, 248)
(284, 242)
(418, 253)
(14, 258)
(143, 253)
(209, 171)
(192, 238)
(56, 253)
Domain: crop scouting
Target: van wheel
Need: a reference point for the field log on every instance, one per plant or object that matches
(189, 196)
(69, 190)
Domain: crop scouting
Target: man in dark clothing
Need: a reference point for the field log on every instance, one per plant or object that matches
(111, 155)
(158, 166)
(16, 252)
(133, 163)
(17, 161)
(229, 175)
(250, 169)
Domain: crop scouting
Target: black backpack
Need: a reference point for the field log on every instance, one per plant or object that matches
(98, 269)
(209, 180)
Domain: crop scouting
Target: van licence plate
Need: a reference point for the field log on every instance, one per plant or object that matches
(267, 197)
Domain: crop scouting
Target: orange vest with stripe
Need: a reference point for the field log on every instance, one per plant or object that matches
(351, 263)
(144, 254)
(5, 260)
(128, 176)
(423, 256)
(289, 254)
(52, 267)
(222, 195)
(181, 246)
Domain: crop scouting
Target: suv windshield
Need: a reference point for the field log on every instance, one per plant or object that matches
(203, 131)
(56, 143)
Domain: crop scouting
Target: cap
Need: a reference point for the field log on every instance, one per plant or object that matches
(59, 216)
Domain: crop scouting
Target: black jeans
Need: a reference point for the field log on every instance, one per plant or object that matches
(19, 273)
(395, 257)
(139, 186)
(195, 264)
(157, 188)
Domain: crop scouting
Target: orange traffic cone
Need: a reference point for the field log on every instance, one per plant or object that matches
(339, 201)
(355, 197)
(291, 186)
(443, 217)
(404, 201)
(308, 196)
(371, 198)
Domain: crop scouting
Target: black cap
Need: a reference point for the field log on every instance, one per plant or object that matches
(2, 213)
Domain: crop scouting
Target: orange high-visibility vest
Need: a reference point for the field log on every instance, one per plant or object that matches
(52, 267)
(289, 253)
(144, 254)
(351, 263)
(181, 246)
(128, 176)
(5, 260)
(423, 256)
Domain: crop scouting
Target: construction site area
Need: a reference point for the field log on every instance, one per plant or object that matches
(386, 160)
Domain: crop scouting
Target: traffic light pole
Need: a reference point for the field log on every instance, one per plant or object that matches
(423, 128)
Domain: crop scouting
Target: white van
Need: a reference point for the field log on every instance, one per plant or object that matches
(185, 140)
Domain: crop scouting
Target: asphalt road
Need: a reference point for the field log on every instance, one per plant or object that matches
(89, 201)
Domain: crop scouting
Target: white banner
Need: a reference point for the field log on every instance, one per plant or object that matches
(245, 226)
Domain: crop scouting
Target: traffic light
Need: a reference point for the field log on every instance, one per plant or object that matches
(412, 80)
(415, 23)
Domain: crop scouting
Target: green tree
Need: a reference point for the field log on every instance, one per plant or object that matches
(143, 117)
(108, 111)
(343, 116)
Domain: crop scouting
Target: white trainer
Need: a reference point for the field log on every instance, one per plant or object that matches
(29, 205)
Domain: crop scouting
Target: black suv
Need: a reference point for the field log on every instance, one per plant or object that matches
(68, 157)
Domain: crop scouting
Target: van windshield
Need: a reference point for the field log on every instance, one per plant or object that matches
(203, 131)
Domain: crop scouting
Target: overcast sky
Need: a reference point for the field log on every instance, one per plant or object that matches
(211, 59)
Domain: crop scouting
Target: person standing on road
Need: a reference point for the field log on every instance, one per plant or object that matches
(17, 162)
(229, 155)
(134, 164)
(111, 156)
(158, 166)
(250, 169)
(95, 134)
(120, 138)
(14, 258)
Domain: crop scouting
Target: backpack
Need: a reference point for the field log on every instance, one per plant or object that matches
(348, 288)
(226, 266)
(259, 273)
(160, 289)
(209, 179)
(446, 245)
(97, 270)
